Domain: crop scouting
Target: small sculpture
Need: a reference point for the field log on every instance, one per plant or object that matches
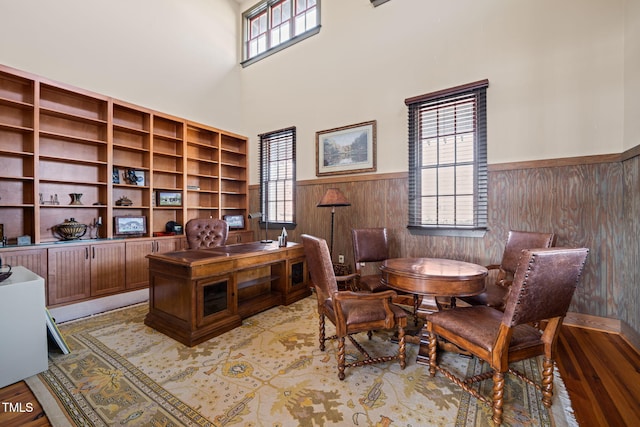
(124, 201)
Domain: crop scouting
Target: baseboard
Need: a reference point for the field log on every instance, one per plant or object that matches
(98, 305)
(588, 321)
(631, 336)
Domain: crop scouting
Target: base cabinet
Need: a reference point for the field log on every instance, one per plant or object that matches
(34, 260)
(137, 265)
(240, 236)
(79, 272)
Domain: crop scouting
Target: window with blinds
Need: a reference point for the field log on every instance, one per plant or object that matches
(278, 175)
(273, 25)
(448, 160)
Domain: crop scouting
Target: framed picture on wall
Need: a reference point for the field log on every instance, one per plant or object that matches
(346, 150)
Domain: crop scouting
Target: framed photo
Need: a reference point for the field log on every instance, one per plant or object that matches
(115, 178)
(130, 225)
(133, 177)
(234, 221)
(347, 149)
(169, 198)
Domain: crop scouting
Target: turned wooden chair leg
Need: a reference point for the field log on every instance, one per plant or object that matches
(321, 332)
(433, 343)
(547, 382)
(402, 354)
(498, 394)
(416, 304)
(340, 356)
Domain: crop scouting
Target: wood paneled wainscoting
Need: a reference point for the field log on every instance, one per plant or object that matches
(587, 201)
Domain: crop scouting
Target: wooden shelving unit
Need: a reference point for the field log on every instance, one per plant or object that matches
(57, 140)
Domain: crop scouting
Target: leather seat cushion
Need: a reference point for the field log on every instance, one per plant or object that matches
(358, 311)
(480, 324)
(372, 283)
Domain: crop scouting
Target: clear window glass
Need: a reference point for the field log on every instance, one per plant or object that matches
(272, 25)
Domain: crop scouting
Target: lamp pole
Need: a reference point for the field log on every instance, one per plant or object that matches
(333, 213)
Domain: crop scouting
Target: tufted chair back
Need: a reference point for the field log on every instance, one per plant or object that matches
(206, 232)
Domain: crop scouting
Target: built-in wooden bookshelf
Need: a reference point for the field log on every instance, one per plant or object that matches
(58, 141)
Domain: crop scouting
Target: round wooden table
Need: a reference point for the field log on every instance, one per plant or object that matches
(432, 278)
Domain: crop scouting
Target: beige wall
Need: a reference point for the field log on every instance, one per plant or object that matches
(174, 56)
(556, 72)
(632, 74)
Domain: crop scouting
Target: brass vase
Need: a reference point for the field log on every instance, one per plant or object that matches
(75, 198)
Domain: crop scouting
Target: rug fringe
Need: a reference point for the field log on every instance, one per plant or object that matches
(564, 411)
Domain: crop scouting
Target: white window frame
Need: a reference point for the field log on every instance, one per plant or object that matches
(292, 34)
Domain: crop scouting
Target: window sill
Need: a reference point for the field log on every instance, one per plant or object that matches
(281, 46)
(448, 232)
(278, 225)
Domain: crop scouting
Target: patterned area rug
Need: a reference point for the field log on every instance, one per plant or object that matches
(268, 372)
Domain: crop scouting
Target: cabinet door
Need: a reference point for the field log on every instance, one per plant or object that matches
(244, 236)
(69, 277)
(107, 268)
(137, 265)
(32, 259)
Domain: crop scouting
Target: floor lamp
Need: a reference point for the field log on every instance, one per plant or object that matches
(332, 198)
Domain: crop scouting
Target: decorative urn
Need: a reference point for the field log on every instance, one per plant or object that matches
(70, 229)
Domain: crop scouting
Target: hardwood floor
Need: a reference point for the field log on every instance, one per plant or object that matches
(601, 372)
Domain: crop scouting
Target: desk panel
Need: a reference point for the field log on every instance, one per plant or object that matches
(187, 289)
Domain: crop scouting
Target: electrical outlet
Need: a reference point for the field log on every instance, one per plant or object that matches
(341, 259)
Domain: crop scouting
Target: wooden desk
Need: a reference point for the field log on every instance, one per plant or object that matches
(431, 278)
(195, 295)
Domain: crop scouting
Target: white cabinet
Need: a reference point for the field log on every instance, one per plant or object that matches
(23, 330)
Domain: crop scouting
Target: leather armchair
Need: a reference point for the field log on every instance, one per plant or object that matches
(371, 245)
(542, 289)
(206, 232)
(497, 289)
(351, 312)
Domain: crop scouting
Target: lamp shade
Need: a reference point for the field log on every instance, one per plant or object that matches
(333, 197)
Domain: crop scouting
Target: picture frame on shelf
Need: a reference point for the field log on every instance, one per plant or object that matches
(234, 221)
(169, 198)
(115, 178)
(130, 225)
(346, 150)
(134, 177)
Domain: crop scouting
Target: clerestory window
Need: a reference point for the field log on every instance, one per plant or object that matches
(273, 25)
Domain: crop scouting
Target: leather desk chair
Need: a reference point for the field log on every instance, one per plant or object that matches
(206, 232)
(542, 289)
(497, 289)
(351, 312)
